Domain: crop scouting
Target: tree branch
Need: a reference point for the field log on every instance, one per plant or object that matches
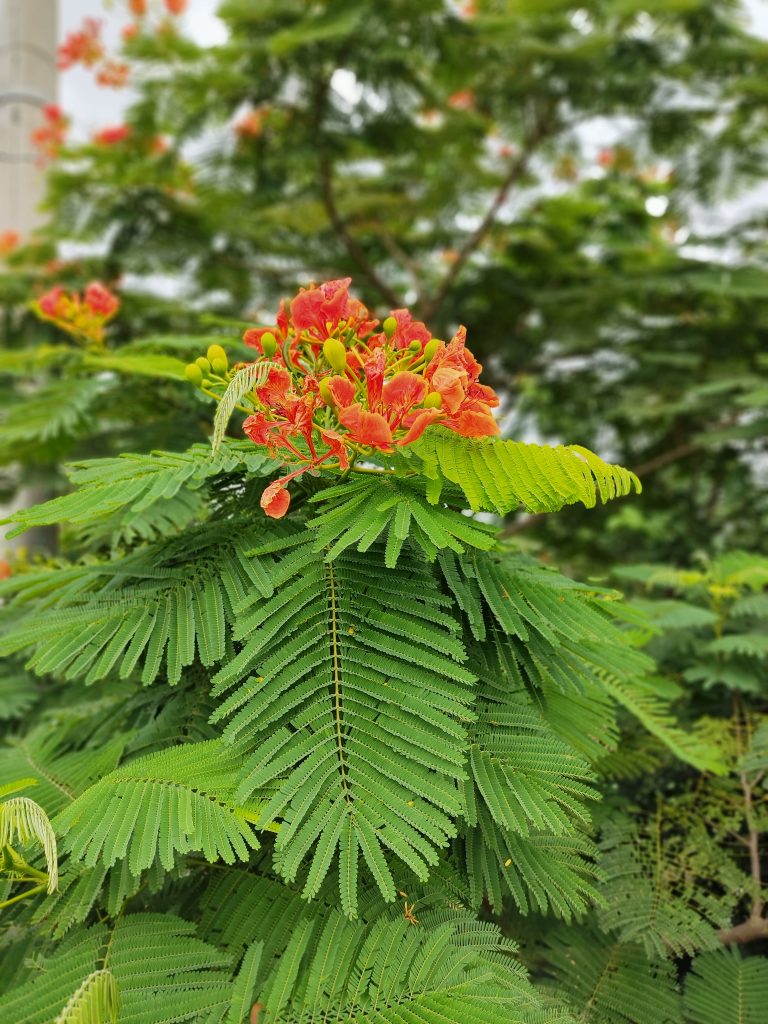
(351, 244)
(428, 306)
(756, 925)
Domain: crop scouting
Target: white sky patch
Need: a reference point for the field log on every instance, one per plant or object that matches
(656, 206)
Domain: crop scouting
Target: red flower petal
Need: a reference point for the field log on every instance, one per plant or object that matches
(343, 391)
(421, 420)
(401, 393)
(366, 427)
(275, 500)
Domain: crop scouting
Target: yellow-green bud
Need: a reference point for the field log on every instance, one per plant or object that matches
(194, 374)
(434, 400)
(390, 326)
(335, 353)
(219, 366)
(415, 346)
(325, 392)
(268, 344)
(215, 354)
(204, 365)
(430, 348)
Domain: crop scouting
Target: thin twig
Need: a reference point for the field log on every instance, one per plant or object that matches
(353, 247)
(428, 306)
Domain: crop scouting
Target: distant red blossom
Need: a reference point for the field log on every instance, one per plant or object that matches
(250, 125)
(9, 241)
(51, 135)
(138, 7)
(82, 47)
(83, 316)
(176, 7)
(113, 135)
(340, 384)
(464, 99)
(113, 73)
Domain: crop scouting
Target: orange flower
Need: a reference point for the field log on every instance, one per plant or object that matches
(84, 317)
(100, 300)
(339, 386)
(49, 137)
(84, 47)
(176, 6)
(138, 7)
(9, 240)
(319, 310)
(453, 374)
(113, 73)
(275, 500)
(464, 99)
(112, 136)
(250, 125)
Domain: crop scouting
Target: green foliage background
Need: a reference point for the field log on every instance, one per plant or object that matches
(451, 161)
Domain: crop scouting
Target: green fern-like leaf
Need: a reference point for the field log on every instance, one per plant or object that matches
(360, 512)
(136, 484)
(500, 476)
(725, 987)
(249, 377)
(21, 821)
(605, 982)
(563, 635)
(157, 608)
(163, 974)
(175, 801)
(95, 1002)
(353, 707)
(318, 965)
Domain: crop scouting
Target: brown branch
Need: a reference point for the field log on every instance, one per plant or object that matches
(756, 925)
(748, 931)
(682, 451)
(353, 247)
(428, 306)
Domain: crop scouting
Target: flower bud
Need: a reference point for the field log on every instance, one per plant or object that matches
(390, 326)
(268, 344)
(204, 365)
(215, 354)
(194, 374)
(434, 400)
(335, 353)
(415, 346)
(325, 392)
(219, 366)
(430, 348)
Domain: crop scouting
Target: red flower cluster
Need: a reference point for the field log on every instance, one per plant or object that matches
(9, 241)
(176, 6)
(50, 136)
(83, 47)
(340, 385)
(84, 317)
(113, 135)
(113, 74)
(251, 124)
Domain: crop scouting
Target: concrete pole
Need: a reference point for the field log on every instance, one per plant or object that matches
(28, 81)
